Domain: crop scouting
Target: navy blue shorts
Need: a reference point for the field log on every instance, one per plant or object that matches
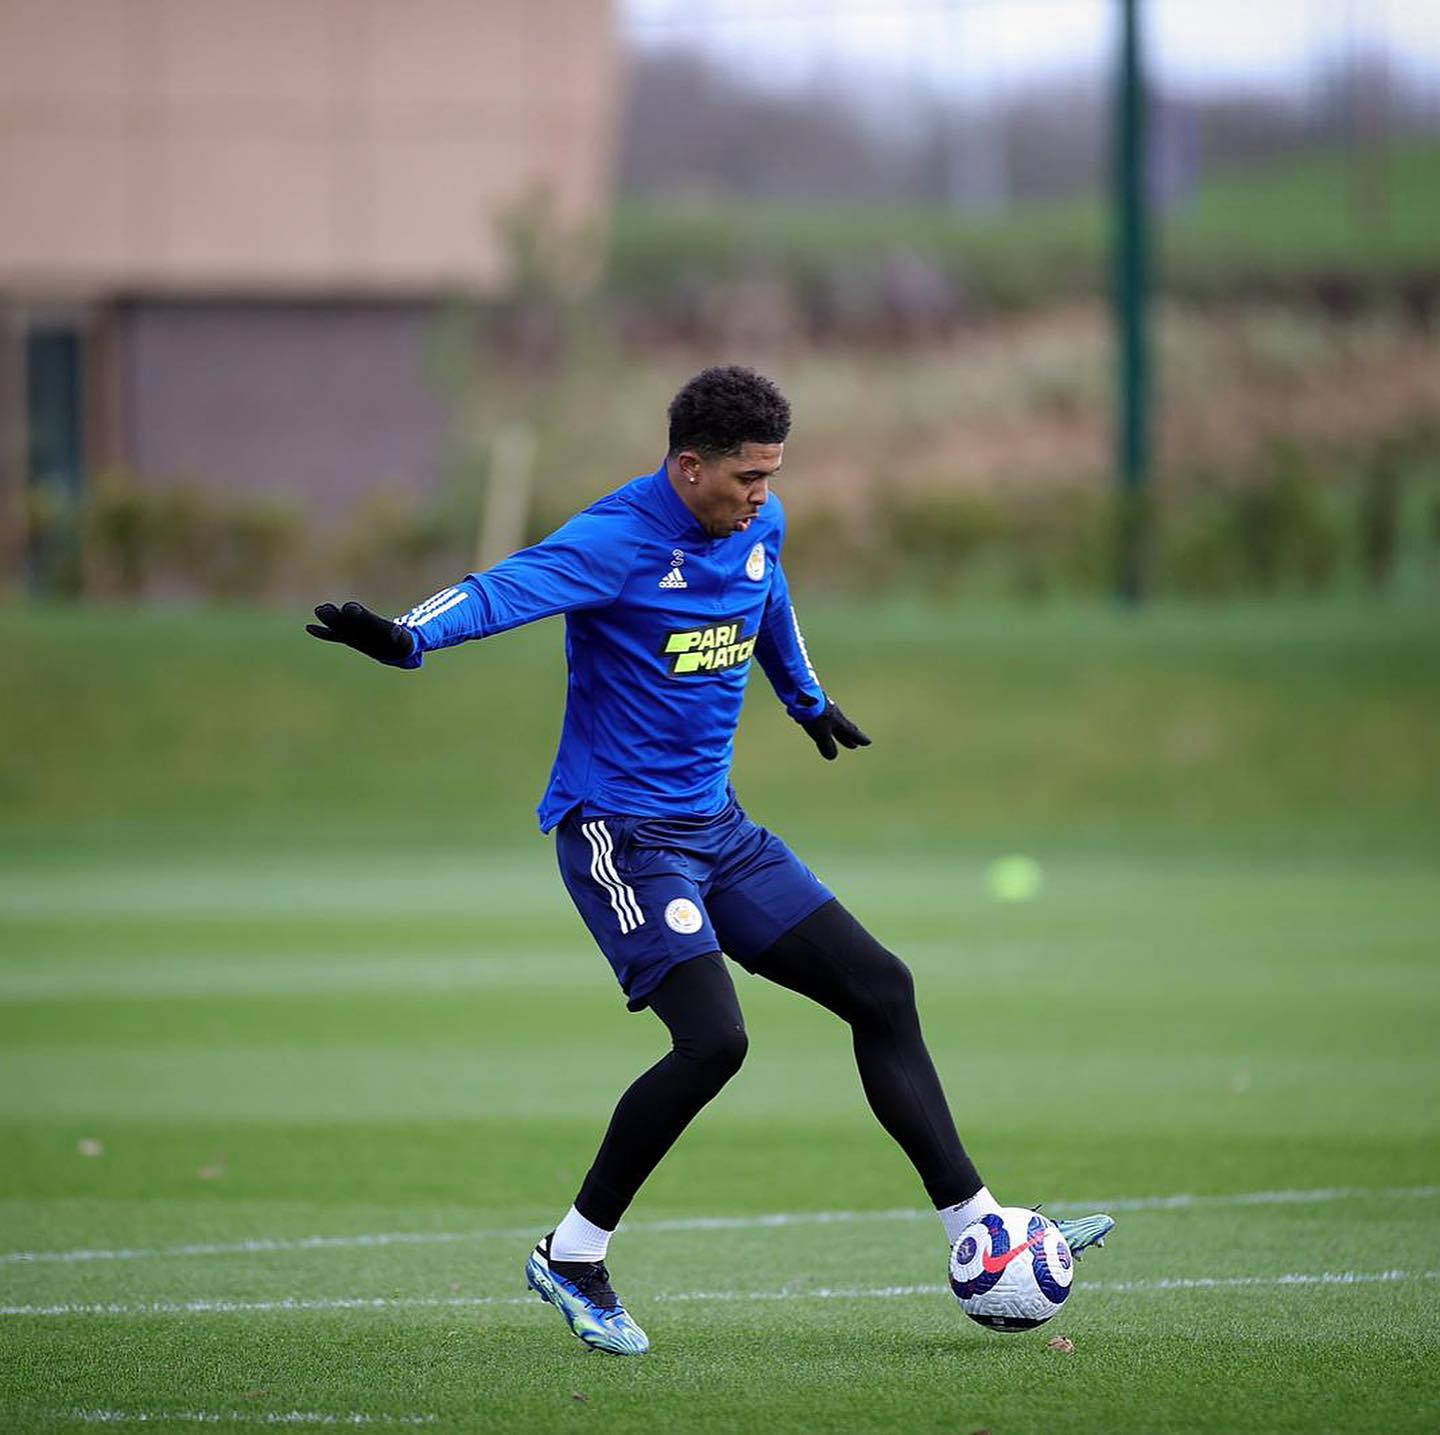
(656, 891)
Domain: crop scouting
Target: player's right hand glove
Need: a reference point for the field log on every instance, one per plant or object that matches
(357, 627)
(833, 726)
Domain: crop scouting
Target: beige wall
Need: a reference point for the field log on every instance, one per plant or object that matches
(273, 146)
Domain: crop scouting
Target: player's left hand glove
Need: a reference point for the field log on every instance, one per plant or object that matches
(357, 627)
(833, 726)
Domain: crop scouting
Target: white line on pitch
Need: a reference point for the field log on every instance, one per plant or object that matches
(387, 1303)
(239, 1417)
(262, 1245)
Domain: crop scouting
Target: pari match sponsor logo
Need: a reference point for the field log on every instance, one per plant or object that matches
(708, 650)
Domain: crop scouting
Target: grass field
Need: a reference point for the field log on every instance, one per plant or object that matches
(1277, 217)
(334, 1082)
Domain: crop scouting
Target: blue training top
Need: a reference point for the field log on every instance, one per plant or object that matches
(661, 621)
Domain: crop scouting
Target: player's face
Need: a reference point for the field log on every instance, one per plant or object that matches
(725, 493)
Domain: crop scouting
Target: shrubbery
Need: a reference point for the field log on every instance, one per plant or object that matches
(128, 540)
(1300, 522)
(394, 550)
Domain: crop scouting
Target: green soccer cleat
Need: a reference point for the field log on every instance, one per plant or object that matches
(581, 1292)
(1086, 1231)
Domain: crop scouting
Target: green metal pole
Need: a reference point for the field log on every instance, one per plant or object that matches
(1132, 283)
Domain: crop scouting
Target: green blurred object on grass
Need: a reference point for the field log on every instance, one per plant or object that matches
(1014, 878)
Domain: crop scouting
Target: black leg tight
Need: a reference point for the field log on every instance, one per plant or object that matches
(833, 960)
(697, 1003)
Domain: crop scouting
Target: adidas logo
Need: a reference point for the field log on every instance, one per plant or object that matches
(675, 578)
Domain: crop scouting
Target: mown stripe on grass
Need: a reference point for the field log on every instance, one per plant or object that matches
(262, 1245)
(389, 1303)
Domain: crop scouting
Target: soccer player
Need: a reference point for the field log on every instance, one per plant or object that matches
(669, 586)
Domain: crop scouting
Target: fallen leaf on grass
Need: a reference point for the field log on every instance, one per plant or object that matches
(1063, 1343)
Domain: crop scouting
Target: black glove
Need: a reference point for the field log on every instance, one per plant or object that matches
(833, 726)
(366, 632)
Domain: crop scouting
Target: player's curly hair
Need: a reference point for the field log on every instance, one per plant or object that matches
(722, 408)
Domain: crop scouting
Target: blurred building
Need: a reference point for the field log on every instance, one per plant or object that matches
(225, 225)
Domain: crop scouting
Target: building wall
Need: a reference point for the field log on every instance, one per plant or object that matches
(246, 215)
(270, 146)
(317, 403)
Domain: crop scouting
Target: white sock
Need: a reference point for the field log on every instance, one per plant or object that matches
(956, 1218)
(577, 1239)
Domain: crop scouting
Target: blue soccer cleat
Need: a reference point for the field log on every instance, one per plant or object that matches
(1086, 1231)
(581, 1292)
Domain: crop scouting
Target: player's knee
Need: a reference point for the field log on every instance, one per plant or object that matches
(719, 1051)
(889, 989)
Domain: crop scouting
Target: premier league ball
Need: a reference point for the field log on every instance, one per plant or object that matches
(1011, 1271)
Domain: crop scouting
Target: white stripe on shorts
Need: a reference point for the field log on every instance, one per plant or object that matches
(627, 893)
(602, 868)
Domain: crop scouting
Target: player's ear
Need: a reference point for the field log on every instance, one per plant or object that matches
(690, 464)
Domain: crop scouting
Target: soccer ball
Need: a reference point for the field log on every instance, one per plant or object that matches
(1011, 1271)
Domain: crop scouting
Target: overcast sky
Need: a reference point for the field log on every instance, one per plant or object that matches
(982, 44)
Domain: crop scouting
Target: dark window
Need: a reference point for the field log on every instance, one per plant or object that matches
(55, 465)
